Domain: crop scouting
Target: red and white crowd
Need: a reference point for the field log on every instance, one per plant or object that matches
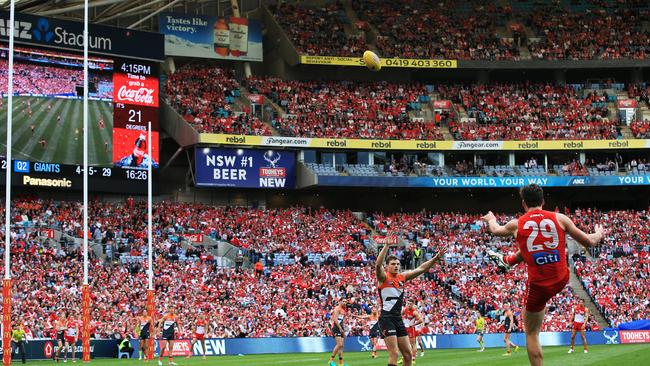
(295, 298)
(319, 31)
(619, 278)
(205, 97)
(346, 109)
(470, 31)
(531, 111)
(438, 30)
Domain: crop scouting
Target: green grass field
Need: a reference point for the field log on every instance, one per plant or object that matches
(63, 144)
(619, 355)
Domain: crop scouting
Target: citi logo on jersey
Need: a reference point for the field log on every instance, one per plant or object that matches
(549, 257)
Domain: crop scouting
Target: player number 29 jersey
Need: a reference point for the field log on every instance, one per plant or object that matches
(542, 243)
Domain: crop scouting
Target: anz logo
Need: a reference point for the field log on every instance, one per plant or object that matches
(21, 29)
(579, 181)
(42, 31)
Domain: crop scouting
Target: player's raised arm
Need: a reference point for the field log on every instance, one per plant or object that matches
(584, 239)
(379, 264)
(509, 229)
(424, 267)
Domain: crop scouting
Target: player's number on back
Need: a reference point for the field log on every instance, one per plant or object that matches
(548, 231)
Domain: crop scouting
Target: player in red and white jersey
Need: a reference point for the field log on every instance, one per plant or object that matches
(423, 329)
(60, 324)
(71, 337)
(412, 320)
(541, 239)
(579, 318)
(199, 334)
(390, 283)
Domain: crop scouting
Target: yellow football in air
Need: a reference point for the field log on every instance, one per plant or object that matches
(372, 60)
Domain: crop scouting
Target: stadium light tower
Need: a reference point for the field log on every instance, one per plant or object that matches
(6, 283)
(85, 290)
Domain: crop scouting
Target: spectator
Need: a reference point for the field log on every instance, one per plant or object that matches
(125, 345)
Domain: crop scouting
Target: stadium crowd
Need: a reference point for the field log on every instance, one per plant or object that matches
(592, 34)
(531, 111)
(205, 96)
(436, 30)
(618, 279)
(47, 79)
(294, 297)
(641, 129)
(470, 31)
(318, 31)
(346, 109)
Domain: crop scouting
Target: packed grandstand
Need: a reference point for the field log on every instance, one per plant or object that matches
(310, 258)
(292, 257)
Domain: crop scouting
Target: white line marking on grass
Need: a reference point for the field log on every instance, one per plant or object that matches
(289, 361)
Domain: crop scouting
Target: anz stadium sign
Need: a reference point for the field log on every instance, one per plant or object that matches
(64, 34)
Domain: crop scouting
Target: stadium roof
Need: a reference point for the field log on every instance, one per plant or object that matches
(136, 14)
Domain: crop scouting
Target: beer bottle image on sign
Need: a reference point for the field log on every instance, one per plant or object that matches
(221, 37)
(238, 36)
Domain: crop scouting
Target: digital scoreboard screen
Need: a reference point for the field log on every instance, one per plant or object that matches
(47, 139)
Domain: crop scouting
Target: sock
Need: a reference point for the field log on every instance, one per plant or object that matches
(481, 343)
(171, 359)
(511, 259)
(340, 360)
(332, 358)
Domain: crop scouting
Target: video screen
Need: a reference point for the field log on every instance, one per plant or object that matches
(48, 110)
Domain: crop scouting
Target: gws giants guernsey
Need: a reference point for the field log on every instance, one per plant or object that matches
(391, 293)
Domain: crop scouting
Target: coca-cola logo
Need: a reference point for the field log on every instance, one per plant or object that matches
(140, 95)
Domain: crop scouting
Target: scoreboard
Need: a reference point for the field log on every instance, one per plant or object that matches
(123, 94)
(70, 177)
(135, 103)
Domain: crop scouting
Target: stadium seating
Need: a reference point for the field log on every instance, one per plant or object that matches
(641, 129)
(311, 256)
(532, 111)
(347, 109)
(422, 29)
(205, 97)
(593, 33)
(617, 280)
(472, 31)
(319, 31)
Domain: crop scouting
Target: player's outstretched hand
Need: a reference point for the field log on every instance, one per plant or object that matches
(441, 253)
(600, 231)
(488, 217)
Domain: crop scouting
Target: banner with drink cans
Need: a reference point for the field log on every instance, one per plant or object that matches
(227, 38)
